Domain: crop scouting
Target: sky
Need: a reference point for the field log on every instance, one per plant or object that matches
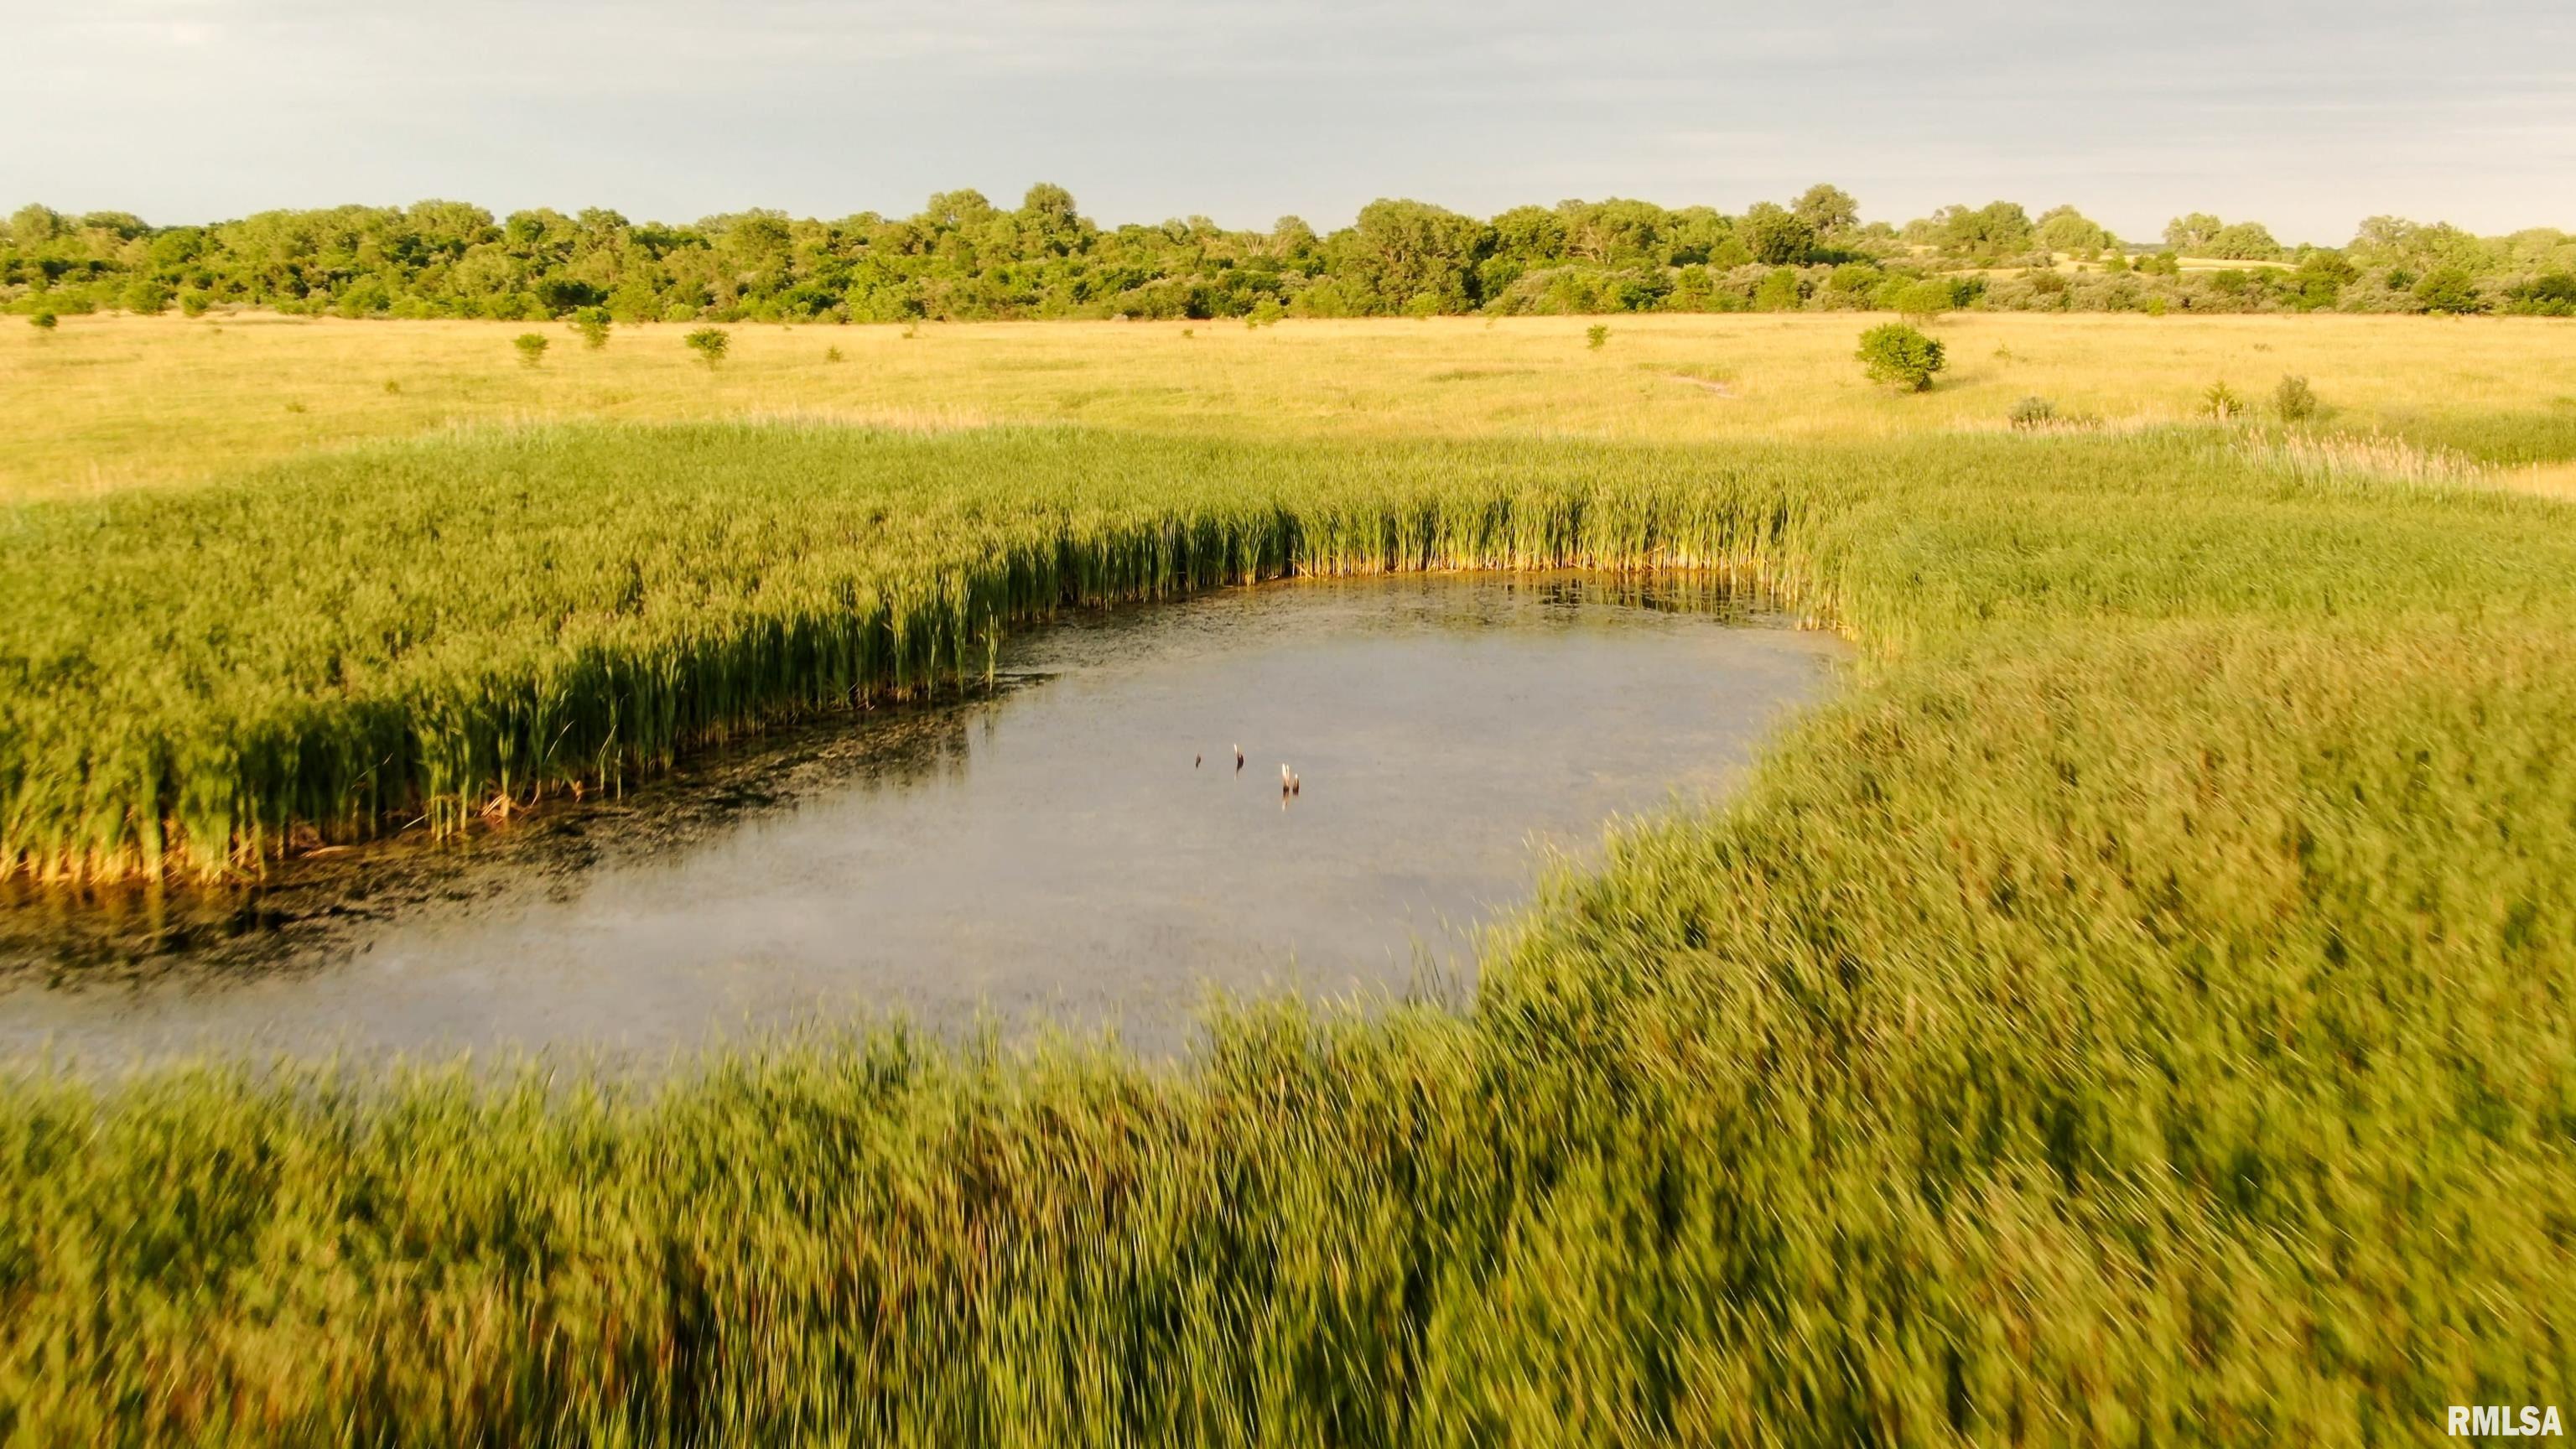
(2307, 117)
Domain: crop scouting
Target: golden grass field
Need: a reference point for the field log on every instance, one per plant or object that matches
(109, 402)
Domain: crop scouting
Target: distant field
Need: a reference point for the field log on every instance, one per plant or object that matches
(110, 402)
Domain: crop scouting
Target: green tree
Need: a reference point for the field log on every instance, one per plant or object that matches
(2064, 229)
(2449, 289)
(710, 343)
(1596, 336)
(32, 226)
(1827, 210)
(1399, 250)
(592, 324)
(1775, 235)
(1898, 354)
(2244, 241)
(532, 348)
(1997, 229)
(2319, 280)
(2192, 233)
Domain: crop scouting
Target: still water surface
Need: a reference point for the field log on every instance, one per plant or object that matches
(1076, 848)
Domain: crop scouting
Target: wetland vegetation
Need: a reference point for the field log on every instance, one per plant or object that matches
(2140, 1007)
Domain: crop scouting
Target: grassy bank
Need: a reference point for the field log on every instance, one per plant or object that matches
(2142, 1010)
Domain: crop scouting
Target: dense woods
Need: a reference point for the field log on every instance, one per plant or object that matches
(961, 257)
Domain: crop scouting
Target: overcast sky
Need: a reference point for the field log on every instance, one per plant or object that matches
(2306, 116)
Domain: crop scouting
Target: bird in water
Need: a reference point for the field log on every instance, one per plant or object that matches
(1288, 781)
(1238, 759)
(1197, 760)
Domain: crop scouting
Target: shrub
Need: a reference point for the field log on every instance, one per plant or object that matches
(1855, 278)
(532, 348)
(831, 354)
(1596, 336)
(193, 303)
(42, 319)
(2221, 403)
(1899, 354)
(2552, 295)
(1926, 299)
(1779, 292)
(2033, 411)
(2293, 400)
(592, 323)
(147, 298)
(710, 343)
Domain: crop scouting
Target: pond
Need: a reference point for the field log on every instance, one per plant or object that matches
(1074, 847)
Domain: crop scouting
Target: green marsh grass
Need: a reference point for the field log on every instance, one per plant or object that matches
(2140, 1010)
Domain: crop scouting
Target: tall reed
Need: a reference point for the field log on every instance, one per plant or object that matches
(2142, 1010)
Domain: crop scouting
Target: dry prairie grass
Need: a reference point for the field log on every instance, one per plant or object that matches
(113, 402)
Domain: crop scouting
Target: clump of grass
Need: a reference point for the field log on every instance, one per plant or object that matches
(2369, 459)
(1596, 336)
(2032, 412)
(831, 354)
(2220, 403)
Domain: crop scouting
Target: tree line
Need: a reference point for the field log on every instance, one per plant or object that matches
(963, 258)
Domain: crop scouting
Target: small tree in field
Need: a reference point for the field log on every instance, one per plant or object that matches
(532, 348)
(42, 321)
(1596, 336)
(1896, 353)
(710, 344)
(592, 324)
(2294, 400)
